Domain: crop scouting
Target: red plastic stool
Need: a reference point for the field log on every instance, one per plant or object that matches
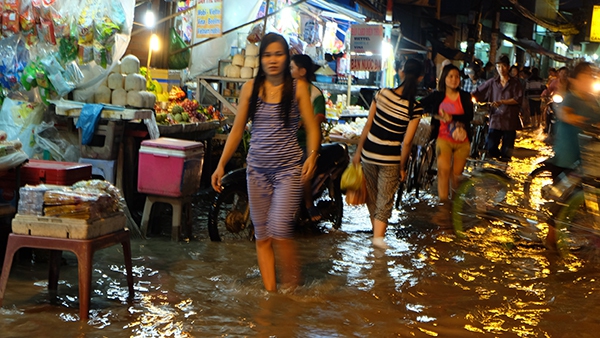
(84, 250)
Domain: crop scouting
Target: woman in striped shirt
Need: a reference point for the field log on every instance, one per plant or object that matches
(274, 102)
(385, 144)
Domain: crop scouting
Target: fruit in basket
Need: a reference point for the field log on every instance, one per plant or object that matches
(178, 118)
(185, 117)
(177, 109)
(190, 106)
(176, 93)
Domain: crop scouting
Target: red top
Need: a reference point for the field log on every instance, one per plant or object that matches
(452, 107)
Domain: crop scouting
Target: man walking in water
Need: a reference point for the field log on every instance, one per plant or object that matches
(506, 95)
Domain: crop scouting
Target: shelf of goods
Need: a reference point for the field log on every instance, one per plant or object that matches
(204, 81)
(73, 109)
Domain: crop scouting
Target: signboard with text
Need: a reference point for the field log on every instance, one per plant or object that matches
(208, 19)
(595, 30)
(366, 38)
(370, 63)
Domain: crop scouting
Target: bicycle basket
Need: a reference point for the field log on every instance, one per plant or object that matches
(423, 131)
(590, 155)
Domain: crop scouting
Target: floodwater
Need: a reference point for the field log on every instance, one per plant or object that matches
(428, 283)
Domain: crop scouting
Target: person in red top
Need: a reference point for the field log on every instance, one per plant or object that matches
(452, 110)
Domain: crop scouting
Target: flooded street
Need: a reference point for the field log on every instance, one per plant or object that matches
(428, 283)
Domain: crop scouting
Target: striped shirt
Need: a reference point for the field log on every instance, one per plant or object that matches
(384, 141)
(272, 145)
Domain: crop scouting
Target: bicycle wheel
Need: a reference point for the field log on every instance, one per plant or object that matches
(572, 232)
(476, 200)
(229, 217)
(532, 187)
(404, 187)
(330, 203)
(426, 172)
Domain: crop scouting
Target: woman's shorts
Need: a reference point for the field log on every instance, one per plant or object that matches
(457, 149)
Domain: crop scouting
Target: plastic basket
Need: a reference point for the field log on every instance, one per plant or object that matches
(590, 155)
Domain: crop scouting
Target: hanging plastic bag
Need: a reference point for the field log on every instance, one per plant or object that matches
(352, 177)
(359, 196)
(181, 59)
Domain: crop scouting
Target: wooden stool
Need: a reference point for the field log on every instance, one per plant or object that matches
(84, 250)
(179, 204)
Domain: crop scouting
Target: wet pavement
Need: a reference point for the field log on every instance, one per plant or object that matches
(428, 283)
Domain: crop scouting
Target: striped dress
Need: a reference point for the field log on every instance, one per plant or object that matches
(384, 141)
(273, 146)
(274, 172)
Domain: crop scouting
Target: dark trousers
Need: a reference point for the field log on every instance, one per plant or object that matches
(493, 141)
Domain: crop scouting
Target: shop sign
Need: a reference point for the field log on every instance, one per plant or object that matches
(366, 38)
(595, 31)
(209, 19)
(368, 63)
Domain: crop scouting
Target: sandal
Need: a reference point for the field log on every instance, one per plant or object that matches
(314, 214)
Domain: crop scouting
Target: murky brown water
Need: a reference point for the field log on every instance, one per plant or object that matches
(427, 284)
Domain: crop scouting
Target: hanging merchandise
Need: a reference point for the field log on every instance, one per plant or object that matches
(181, 59)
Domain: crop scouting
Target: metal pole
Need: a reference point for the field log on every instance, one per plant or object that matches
(266, 12)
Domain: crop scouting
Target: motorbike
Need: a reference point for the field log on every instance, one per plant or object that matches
(229, 214)
(550, 115)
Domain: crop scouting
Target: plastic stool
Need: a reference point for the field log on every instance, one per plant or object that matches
(84, 250)
(179, 204)
(104, 168)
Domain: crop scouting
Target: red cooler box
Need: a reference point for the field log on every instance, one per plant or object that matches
(170, 167)
(52, 172)
(37, 172)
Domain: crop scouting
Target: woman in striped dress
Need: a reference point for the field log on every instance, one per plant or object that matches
(274, 102)
(385, 144)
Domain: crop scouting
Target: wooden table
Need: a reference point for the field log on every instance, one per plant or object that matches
(84, 250)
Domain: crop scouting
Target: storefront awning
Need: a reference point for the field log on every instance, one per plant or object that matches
(337, 11)
(409, 46)
(533, 47)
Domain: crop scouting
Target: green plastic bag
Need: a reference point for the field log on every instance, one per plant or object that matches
(352, 178)
(182, 59)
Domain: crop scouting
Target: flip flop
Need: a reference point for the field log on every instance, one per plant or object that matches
(314, 214)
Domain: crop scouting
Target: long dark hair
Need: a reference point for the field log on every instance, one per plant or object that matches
(287, 96)
(413, 69)
(445, 71)
(305, 62)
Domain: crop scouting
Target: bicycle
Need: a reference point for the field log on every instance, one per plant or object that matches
(576, 224)
(573, 217)
(480, 129)
(420, 164)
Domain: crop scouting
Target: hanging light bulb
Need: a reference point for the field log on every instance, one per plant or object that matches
(149, 18)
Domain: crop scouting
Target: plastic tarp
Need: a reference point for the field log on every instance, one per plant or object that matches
(206, 56)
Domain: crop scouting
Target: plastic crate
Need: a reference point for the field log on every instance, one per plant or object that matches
(60, 227)
(105, 143)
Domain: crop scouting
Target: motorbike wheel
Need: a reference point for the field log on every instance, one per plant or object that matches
(572, 229)
(229, 217)
(532, 187)
(475, 201)
(330, 203)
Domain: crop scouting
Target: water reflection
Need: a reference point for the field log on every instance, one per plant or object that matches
(498, 282)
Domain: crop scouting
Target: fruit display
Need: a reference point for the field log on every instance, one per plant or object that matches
(180, 110)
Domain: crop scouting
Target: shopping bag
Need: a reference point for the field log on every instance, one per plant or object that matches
(359, 196)
(352, 177)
